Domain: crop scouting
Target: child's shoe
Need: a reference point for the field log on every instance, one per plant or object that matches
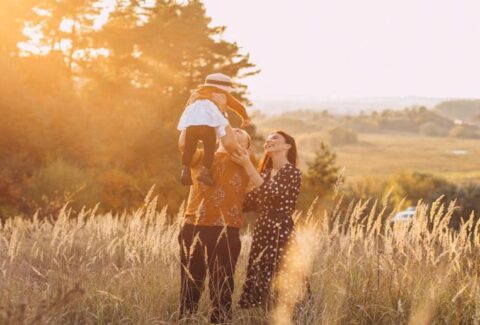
(205, 176)
(186, 176)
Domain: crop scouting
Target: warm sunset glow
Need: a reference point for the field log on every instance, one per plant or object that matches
(239, 162)
(35, 35)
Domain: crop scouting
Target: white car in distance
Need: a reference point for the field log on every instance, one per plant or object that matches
(405, 215)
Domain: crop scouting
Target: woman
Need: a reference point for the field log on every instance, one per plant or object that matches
(274, 197)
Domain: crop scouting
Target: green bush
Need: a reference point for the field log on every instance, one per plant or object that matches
(322, 175)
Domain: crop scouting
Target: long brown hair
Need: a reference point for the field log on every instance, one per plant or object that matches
(291, 154)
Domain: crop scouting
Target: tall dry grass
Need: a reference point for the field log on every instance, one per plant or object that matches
(124, 269)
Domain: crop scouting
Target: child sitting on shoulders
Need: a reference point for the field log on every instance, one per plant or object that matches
(205, 119)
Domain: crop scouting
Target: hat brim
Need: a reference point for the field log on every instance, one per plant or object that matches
(225, 88)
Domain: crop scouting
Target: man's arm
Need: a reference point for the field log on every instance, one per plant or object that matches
(181, 138)
(181, 141)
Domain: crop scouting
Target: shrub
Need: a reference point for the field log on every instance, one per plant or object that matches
(462, 131)
(415, 186)
(468, 196)
(431, 129)
(119, 190)
(365, 188)
(399, 124)
(342, 136)
(59, 182)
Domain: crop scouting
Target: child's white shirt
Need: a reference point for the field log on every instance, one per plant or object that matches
(203, 112)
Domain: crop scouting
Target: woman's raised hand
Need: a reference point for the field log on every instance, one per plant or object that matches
(241, 158)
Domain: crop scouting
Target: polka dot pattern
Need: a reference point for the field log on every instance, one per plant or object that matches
(275, 201)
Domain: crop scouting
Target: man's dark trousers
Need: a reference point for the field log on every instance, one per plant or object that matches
(211, 250)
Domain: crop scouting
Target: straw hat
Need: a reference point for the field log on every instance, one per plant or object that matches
(220, 81)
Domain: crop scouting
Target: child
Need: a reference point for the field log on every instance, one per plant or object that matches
(205, 119)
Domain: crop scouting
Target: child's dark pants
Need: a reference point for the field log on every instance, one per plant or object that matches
(203, 133)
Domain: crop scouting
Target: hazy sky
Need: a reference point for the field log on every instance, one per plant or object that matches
(352, 48)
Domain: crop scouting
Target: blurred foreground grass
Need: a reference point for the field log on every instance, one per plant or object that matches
(124, 269)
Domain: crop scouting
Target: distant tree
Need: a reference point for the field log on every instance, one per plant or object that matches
(431, 129)
(322, 172)
(459, 109)
(422, 110)
(463, 131)
(342, 136)
(387, 113)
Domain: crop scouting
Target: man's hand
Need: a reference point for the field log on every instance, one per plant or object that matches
(181, 140)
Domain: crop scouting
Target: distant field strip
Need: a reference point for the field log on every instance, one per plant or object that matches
(385, 154)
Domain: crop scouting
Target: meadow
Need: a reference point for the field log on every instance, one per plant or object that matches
(90, 268)
(386, 154)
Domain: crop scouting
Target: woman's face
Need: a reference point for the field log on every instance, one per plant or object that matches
(275, 143)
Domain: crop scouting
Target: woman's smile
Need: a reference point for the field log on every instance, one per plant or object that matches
(272, 143)
(269, 146)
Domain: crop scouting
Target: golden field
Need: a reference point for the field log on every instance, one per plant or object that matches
(88, 268)
(385, 154)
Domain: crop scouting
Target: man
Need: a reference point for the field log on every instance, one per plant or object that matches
(209, 238)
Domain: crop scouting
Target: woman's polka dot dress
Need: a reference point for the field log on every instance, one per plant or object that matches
(275, 201)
